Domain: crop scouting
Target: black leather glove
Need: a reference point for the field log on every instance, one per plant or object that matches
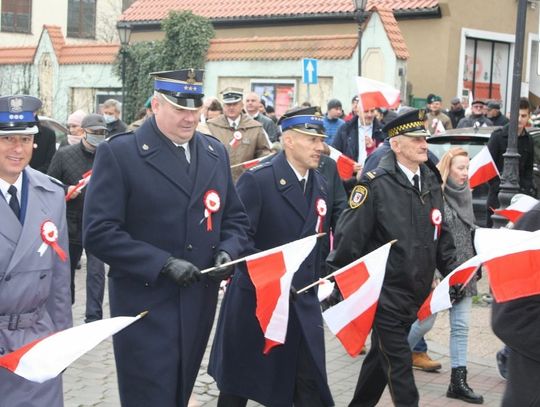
(182, 272)
(334, 298)
(457, 292)
(221, 273)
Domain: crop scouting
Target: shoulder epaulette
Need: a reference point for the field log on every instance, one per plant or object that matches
(56, 181)
(119, 134)
(264, 164)
(373, 174)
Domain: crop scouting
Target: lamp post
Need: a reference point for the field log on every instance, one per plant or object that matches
(360, 16)
(124, 32)
(510, 176)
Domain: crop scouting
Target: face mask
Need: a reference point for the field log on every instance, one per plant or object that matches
(109, 118)
(94, 139)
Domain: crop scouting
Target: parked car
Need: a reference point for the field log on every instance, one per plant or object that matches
(59, 129)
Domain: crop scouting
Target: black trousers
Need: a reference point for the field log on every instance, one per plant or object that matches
(306, 392)
(389, 362)
(522, 384)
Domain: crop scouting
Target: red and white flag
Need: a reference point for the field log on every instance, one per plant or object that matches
(271, 272)
(482, 168)
(439, 298)
(513, 264)
(376, 94)
(80, 185)
(345, 165)
(251, 163)
(524, 204)
(437, 127)
(360, 284)
(45, 358)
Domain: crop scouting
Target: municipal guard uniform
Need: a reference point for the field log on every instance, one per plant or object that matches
(516, 323)
(279, 213)
(149, 208)
(35, 296)
(386, 206)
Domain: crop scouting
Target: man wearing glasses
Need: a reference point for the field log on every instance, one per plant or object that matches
(34, 269)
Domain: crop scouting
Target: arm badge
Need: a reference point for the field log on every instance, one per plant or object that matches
(358, 196)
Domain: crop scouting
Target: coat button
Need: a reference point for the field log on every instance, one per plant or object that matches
(147, 284)
(189, 247)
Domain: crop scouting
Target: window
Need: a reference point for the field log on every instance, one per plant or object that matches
(81, 18)
(278, 94)
(486, 68)
(17, 16)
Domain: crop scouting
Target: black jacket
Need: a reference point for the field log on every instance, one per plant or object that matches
(116, 127)
(390, 208)
(68, 165)
(346, 139)
(45, 141)
(497, 145)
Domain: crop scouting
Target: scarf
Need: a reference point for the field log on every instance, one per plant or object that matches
(459, 197)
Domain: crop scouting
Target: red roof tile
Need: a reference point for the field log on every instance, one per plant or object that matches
(92, 53)
(16, 55)
(284, 48)
(393, 32)
(156, 10)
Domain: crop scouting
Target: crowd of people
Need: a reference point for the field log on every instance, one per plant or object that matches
(195, 183)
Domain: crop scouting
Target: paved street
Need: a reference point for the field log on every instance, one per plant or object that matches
(91, 381)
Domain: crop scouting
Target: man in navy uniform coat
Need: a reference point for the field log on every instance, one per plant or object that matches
(35, 295)
(161, 205)
(282, 197)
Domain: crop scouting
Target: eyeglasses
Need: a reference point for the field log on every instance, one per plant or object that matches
(13, 140)
(98, 132)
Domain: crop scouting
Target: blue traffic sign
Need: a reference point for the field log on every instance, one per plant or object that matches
(309, 71)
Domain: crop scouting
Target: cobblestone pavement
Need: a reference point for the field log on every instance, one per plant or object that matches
(91, 380)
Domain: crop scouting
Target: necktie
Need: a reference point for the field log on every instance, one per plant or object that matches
(303, 185)
(183, 160)
(14, 202)
(416, 181)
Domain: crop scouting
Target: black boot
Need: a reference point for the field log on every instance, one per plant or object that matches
(459, 389)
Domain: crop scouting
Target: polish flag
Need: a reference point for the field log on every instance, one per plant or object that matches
(524, 204)
(251, 163)
(45, 358)
(439, 298)
(376, 94)
(271, 272)
(482, 168)
(360, 284)
(513, 264)
(345, 165)
(437, 126)
(81, 184)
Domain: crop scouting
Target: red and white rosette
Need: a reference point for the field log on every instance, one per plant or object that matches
(237, 136)
(49, 235)
(212, 202)
(436, 220)
(321, 212)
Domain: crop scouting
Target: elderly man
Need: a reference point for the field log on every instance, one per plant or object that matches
(494, 114)
(160, 206)
(243, 136)
(111, 113)
(477, 117)
(283, 198)
(34, 268)
(402, 200)
(252, 103)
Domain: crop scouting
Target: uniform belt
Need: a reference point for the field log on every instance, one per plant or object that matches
(19, 321)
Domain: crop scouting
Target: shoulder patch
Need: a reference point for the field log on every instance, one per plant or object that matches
(358, 196)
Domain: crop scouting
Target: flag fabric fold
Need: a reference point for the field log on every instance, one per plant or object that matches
(512, 261)
(375, 94)
(251, 163)
(360, 283)
(45, 358)
(81, 184)
(271, 272)
(439, 298)
(517, 209)
(345, 165)
(482, 168)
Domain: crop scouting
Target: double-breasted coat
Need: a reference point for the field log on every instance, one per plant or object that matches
(141, 208)
(35, 298)
(279, 213)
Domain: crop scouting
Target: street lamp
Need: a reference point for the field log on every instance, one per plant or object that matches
(124, 32)
(360, 16)
(510, 176)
